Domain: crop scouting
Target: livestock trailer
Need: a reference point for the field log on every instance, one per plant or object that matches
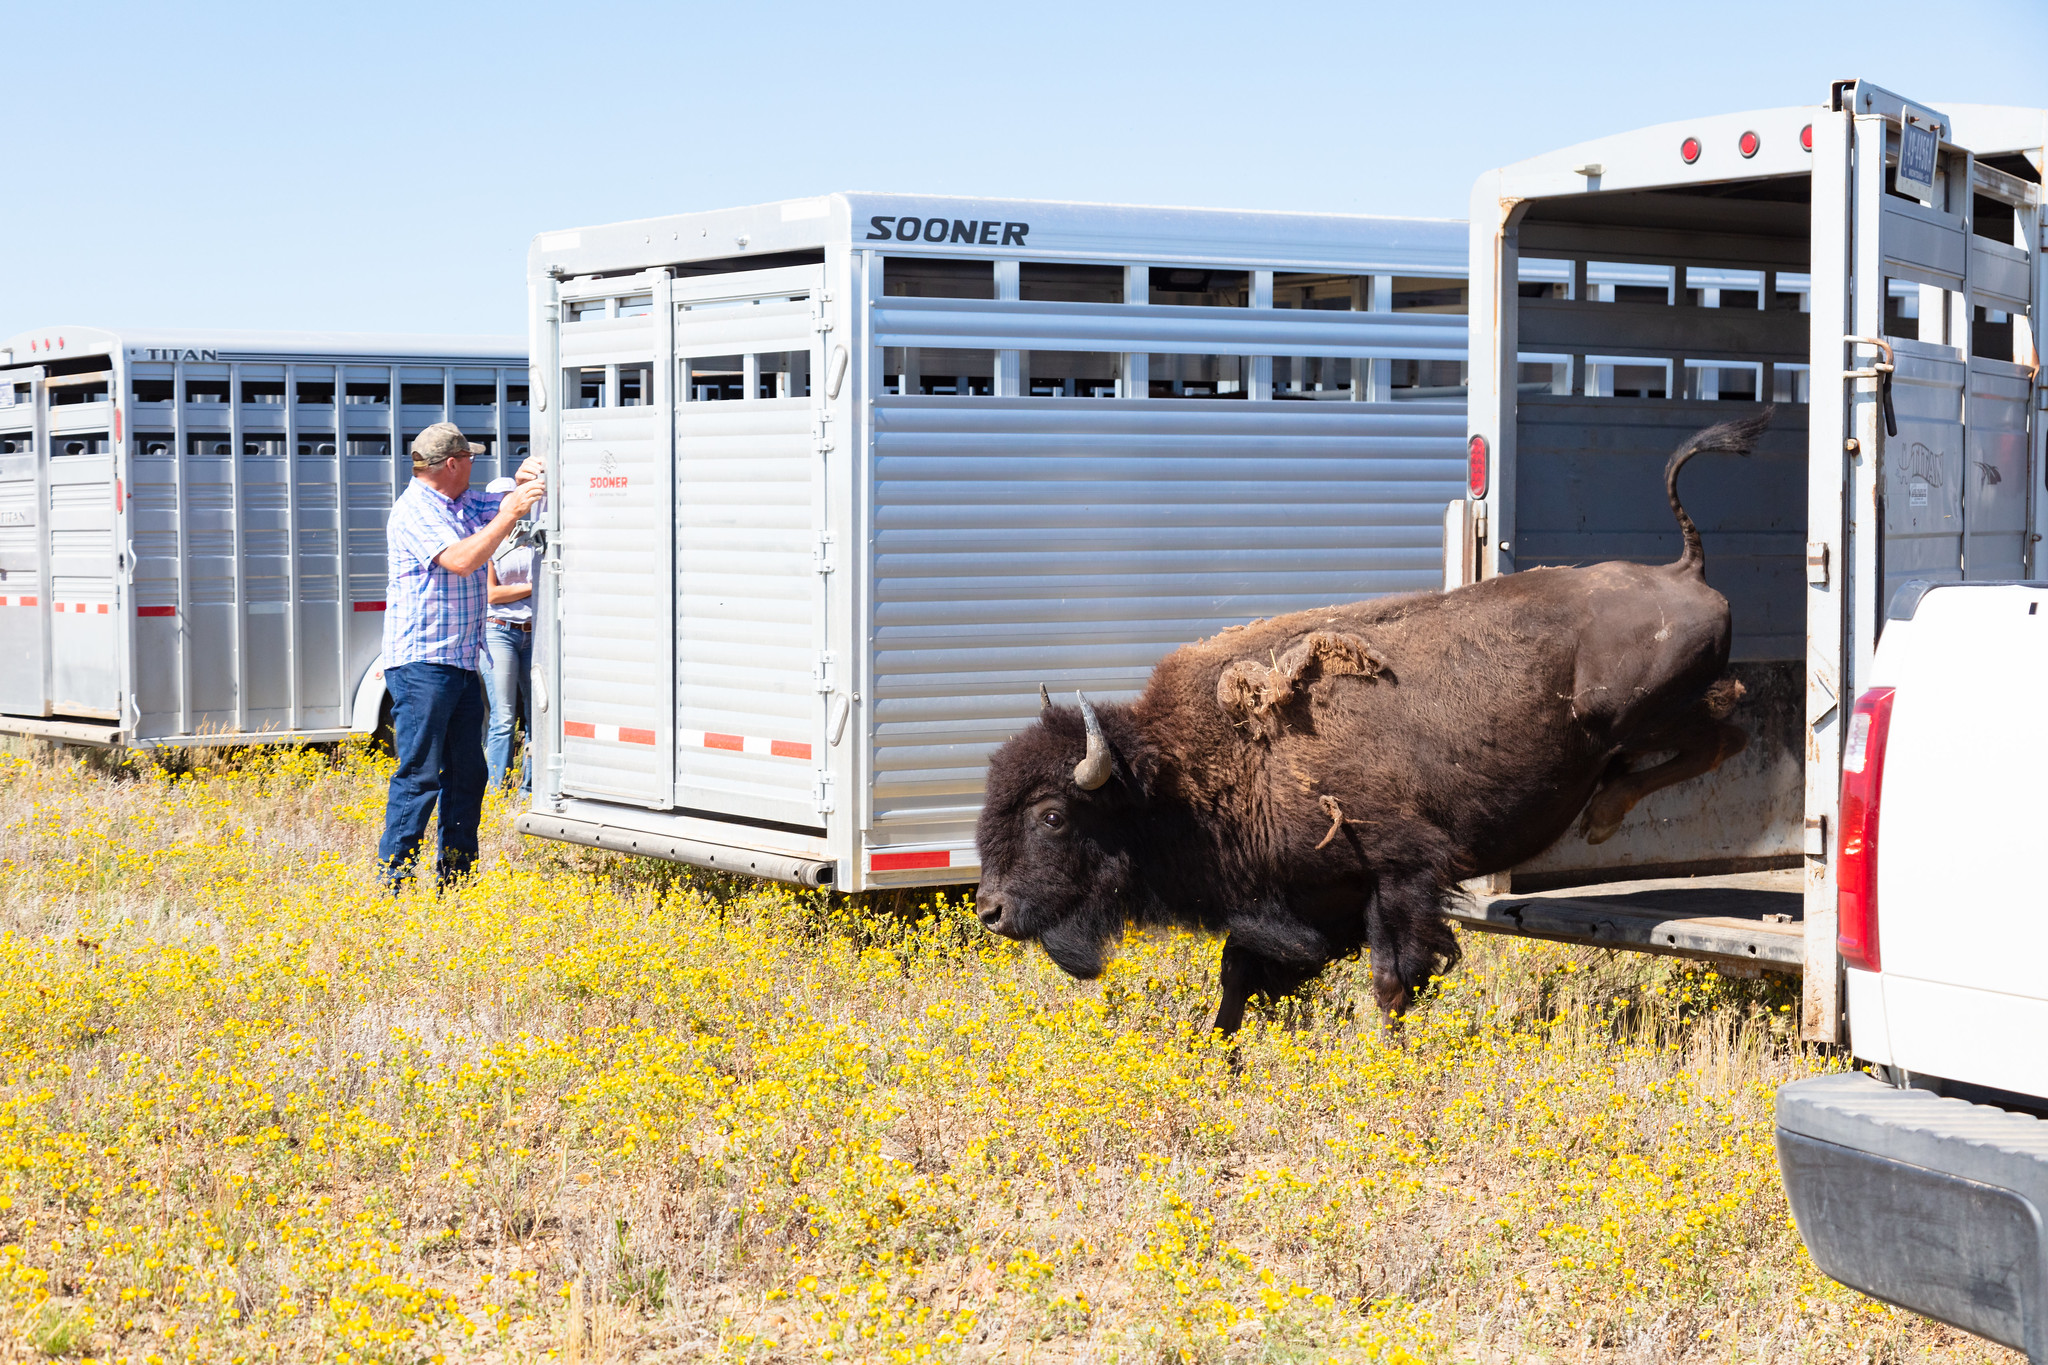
(1870, 265)
(839, 482)
(192, 523)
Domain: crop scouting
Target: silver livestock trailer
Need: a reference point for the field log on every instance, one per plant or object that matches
(839, 482)
(192, 523)
(1870, 265)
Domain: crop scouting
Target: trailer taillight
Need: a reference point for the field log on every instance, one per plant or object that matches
(1475, 466)
(1689, 150)
(1748, 144)
(1856, 861)
(1806, 137)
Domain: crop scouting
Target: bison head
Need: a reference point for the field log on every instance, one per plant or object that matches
(1061, 825)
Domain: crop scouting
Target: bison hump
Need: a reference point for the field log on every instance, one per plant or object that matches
(1253, 694)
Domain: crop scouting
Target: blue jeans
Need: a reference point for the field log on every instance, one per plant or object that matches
(437, 714)
(508, 662)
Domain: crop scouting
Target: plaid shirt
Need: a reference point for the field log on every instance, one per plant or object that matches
(432, 616)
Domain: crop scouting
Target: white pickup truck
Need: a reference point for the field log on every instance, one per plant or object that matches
(1924, 1181)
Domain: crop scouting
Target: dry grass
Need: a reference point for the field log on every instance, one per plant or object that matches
(593, 1109)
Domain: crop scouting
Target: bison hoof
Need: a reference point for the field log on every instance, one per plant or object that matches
(1600, 833)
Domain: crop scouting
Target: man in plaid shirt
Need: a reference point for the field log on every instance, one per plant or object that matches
(439, 538)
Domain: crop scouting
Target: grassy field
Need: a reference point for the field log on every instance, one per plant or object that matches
(597, 1109)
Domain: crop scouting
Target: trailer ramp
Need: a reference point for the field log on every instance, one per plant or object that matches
(1743, 919)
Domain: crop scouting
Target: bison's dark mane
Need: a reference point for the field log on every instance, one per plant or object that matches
(1170, 857)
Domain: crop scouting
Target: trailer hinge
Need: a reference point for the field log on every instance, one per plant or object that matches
(820, 321)
(821, 557)
(1816, 836)
(822, 433)
(822, 674)
(1817, 563)
(822, 793)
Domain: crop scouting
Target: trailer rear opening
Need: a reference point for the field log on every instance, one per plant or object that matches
(1870, 267)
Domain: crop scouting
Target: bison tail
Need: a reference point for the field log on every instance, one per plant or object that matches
(1732, 438)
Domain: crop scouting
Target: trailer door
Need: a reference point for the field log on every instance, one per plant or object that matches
(24, 593)
(85, 602)
(751, 668)
(613, 482)
(1922, 361)
(1922, 301)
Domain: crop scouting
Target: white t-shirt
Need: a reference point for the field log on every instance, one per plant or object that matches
(514, 564)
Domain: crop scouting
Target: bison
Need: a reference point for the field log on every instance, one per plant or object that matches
(1320, 782)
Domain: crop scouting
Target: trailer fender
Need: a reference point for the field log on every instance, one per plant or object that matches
(368, 714)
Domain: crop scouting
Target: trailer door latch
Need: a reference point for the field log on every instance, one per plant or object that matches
(1817, 563)
(822, 675)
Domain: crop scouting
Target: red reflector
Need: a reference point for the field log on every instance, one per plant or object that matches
(1806, 137)
(156, 611)
(628, 735)
(1749, 143)
(903, 862)
(788, 748)
(579, 729)
(735, 743)
(1475, 466)
(1856, 853)
(369, 606)
(1689, 150)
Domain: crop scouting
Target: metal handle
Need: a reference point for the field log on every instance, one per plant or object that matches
(1882, 373)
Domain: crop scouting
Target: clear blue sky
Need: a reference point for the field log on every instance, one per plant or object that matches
(382, 166)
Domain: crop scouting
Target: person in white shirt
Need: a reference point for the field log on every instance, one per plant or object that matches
(508, 645)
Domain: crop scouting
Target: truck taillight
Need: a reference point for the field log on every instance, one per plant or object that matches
(1476, 471)
(1856, 861)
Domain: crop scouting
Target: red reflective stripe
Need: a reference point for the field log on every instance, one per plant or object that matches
(103, 609)
(784, 748)
(732, 742)
(26, 602)
(156, 611)
(369, 606)
(903, 862)
(628, 735)
(579, 729)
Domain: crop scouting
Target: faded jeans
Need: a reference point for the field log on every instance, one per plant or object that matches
(507, 663)
(437, 719)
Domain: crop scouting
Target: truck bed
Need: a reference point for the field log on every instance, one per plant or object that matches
(1752, 919)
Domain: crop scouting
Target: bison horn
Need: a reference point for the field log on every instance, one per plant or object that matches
(1044, 699)
(1093, 769)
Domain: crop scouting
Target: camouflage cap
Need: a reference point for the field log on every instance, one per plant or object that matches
(440, 443)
